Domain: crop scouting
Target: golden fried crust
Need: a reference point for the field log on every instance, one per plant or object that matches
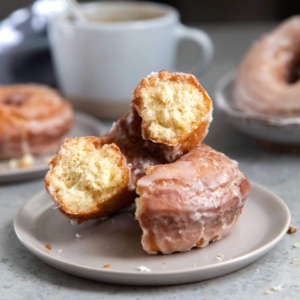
(119, 199)
(189, 139)
(33, 119)
(189, 203)
(106, 209)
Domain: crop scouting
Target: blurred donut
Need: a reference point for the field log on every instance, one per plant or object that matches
(33, 119)
(267, 80)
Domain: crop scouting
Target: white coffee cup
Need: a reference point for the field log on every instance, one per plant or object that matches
(98, 63)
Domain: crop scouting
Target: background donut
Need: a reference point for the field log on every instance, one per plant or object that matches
(267, 80)
(34, 118)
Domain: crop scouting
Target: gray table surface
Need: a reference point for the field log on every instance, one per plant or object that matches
(23, 276)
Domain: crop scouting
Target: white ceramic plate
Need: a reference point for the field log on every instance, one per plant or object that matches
(83, 125)
(116, 242)
(284, 131)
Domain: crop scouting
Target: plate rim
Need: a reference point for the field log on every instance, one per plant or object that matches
(255, 254)
(8, 175)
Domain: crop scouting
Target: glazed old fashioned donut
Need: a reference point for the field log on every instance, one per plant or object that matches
(33, 119)
(267, 80)
(131, 146)
(190, 202)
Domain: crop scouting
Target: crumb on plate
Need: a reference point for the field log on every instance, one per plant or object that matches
(73, 222)
(219, 257)
(48, 246)
(108, 266)
(292, 230)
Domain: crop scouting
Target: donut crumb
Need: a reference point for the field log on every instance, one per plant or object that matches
(292, 230)
(108, 266)
(220, 257)
(293, 261)
(48, 246)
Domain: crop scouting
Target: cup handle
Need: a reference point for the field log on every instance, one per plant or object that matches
(203, 41)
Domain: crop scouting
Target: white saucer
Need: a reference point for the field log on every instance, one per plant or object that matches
(116, 242)
(278, 130)
(84, 125)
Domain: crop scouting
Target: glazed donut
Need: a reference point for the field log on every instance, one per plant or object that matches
(190, 202)
(267, 80)
(34, 118)
(130, 144)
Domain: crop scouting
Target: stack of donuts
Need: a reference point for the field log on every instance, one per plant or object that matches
(186, 193)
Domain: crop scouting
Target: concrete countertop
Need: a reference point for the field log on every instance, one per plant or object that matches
(23, 276)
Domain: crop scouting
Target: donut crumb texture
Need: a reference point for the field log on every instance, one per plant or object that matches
(84, 175)
(171, 105)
